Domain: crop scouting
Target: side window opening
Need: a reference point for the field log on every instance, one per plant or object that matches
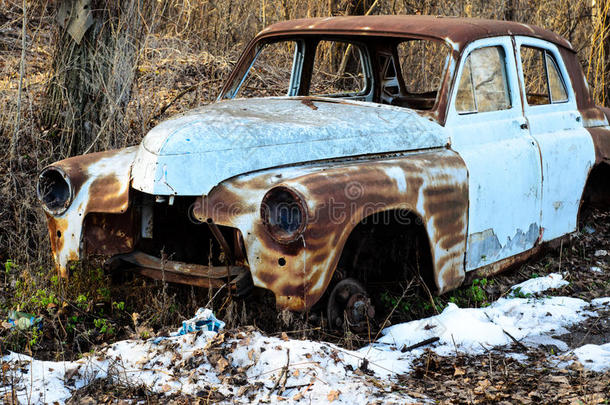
(338, 70)
(422, 64)
(556, 83)
(483, 85)
(541, 76)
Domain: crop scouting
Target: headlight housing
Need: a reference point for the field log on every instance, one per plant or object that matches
(284, 214)
(54, 190)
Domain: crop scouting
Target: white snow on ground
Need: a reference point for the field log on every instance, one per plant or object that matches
(594, 357)
(179, 364)
(600, 302)
(538, 284)
(475, 330)
(316, 371)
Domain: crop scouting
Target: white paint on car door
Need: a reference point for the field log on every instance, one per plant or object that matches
(567, 150)
(503, 163)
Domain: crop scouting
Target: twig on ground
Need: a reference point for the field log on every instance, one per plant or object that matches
(283, 376)
(281, 390)
(420, 344)
(455, 346)
(521, 345)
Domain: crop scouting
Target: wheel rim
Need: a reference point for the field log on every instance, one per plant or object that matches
(349, 302)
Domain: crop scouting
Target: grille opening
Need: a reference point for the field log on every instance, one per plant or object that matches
(180, 237)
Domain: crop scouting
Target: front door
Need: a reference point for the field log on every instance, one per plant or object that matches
(488, 130)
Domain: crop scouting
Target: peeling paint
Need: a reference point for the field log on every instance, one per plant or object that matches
(485, 247)
(232, 137)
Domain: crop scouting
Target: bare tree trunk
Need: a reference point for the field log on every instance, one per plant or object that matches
(96, 54)
(359, 7)
(510, 13)
(605, 22)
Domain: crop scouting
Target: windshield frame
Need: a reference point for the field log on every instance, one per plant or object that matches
(372, 44)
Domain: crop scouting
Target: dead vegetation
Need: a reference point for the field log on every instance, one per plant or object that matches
(496, 378)
(60, 99)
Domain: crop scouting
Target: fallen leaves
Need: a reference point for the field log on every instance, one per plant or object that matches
(333, 395)
(458, 371)
(470, 379)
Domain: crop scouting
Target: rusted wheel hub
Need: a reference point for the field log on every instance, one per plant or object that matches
(348, 302)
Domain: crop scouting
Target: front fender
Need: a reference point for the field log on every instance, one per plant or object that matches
(433, 184)
(100, 183)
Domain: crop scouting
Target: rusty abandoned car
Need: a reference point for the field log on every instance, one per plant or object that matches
(344, 152)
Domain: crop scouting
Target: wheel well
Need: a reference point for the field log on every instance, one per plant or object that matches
(388, 248)
(597, 188)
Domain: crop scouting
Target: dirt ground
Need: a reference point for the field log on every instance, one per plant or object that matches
(494, 377)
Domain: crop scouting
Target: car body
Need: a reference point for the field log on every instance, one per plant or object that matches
(279, 191)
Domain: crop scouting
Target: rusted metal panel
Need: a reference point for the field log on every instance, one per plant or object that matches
(235, 278)
(100, 183)
(338, 197)
(143, 260)
(601, 141)
(108, 234)
(169, 277)
(458, 31)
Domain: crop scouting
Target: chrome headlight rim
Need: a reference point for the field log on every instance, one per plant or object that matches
(68, 192)
(276, 232)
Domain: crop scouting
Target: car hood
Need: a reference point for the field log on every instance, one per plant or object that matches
(191, 153)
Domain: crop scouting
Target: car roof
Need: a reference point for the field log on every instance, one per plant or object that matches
(458, 32)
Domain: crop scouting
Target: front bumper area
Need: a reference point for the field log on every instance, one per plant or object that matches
(236, 278)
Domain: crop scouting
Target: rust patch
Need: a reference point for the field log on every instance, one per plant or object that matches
(76, 167)
(460, 31)
(108, 194)
(57, 228)
(309, 103)
(601, 142)
(108, 234)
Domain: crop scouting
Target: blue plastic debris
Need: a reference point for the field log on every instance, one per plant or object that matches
(23, 321)
(204, 319)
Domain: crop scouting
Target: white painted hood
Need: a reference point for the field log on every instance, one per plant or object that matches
(191, 153)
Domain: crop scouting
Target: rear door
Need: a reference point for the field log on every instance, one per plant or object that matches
(488, 130)
(566, 148)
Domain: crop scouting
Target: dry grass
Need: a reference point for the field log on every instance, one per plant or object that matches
(162, 57)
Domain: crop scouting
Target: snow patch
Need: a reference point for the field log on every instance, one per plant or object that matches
(601, 302)
(538, 285)
(279, 368)
(594, 357)
(475, 330)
